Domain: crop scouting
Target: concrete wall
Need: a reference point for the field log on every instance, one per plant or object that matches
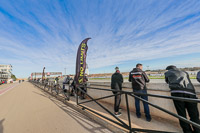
(153, 88)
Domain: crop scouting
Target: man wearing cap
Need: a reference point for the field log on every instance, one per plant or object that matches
(181, 86)
(116, 84)
(139, 80)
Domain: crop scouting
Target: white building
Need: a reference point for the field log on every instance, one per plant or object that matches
(192, 72)
(5, 71)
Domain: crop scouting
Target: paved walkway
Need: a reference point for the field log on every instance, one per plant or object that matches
(157, 123)
(26, 109)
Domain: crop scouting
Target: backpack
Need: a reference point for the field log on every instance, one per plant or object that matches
(198, 76)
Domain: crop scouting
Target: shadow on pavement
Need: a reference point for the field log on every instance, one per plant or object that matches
(1, 125)
(81, 119)
(156, 123)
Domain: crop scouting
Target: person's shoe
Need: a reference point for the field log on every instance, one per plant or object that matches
(67, 99)
(118, 114)
(148, 119)
(138, 116)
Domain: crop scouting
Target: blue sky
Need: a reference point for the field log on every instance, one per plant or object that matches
(157, 33)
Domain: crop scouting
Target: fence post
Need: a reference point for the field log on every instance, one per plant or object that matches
(128, 112)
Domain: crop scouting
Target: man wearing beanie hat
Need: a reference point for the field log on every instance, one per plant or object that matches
(116, 84)
(181, 86)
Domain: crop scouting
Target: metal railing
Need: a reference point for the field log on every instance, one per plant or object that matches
(120, 122)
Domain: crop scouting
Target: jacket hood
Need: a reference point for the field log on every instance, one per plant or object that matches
(137, 69)
(171, 67)
(116, 73)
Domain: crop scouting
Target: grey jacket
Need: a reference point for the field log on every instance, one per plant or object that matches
(179, 80)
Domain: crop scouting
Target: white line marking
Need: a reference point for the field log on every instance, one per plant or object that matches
(7, 89)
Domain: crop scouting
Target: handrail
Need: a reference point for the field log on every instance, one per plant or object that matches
(152, 95)
(132, 94)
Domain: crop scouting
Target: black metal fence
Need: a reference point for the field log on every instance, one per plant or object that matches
(127, 94)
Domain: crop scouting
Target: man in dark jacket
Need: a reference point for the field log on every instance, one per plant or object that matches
(66, 81)
(84, 87)
(139, 79)
(116, 84)
(73, 87)
(198, 76)
(181, 86)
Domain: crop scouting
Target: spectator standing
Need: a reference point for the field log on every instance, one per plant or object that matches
(181, 86)
(56, 80)
(66, 81)
(84, 87)
(116, 84)
(198, 76)
(139, 80)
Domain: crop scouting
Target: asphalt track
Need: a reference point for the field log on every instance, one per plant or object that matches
(26, 109)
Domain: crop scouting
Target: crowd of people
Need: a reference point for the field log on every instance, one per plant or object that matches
(179, 83)
(68, 81)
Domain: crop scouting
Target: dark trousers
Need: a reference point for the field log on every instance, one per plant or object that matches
(65, 90)
(117, 103)
(84, 89)
(65, 83)
(146, 106)
(64, 86)
(192, 110)
(73, 90)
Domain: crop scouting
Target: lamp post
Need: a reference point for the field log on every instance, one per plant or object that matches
(43, 75)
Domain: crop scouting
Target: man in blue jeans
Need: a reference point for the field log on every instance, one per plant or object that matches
(139, 80)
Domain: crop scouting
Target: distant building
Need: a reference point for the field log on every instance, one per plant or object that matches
(5, 71)
(192, 72)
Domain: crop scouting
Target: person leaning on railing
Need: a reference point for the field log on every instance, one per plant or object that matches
(56, 81)
(116, 84)
(73, 87)
(139, 80)
(66, 81)
(47, 81)
(181, 86)
(198, 76)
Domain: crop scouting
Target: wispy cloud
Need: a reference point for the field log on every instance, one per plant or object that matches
(35, 33)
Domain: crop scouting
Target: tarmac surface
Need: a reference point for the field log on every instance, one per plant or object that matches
(26, 109)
